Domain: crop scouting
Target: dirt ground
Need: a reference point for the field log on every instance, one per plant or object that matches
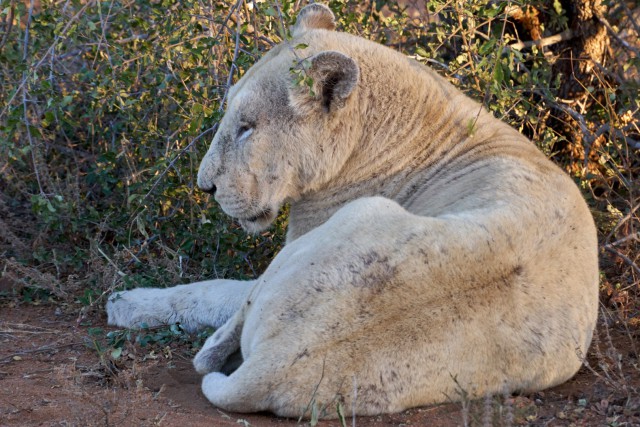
(51, 376)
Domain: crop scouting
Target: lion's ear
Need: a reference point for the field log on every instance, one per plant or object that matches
(335, 76)
(314, 16)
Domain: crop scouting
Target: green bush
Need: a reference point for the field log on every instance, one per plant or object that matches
(107, 107)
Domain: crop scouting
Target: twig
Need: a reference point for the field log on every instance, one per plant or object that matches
(467, 44)
(22, 328)
(623, 220)
(25, 47)
(224, 23)
(9, 21)
(626, 259)
(142, 248)
(18, 331)
(546, 41)
(312, 401)
(615, 35)
(134, 37)
(103, 28)
(353, 402)
(175, 159)
(38, 350)
(113, 264)
(487, 93)
(588, 136)
(233, 64)
(27, 123)
(619, 134)
(632, 19)
(634, 236)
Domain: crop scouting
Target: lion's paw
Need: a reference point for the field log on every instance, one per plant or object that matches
(140, 307)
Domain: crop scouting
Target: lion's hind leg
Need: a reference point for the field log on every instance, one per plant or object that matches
(248, 389)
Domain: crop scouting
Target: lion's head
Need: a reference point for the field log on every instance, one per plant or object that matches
(279, 140)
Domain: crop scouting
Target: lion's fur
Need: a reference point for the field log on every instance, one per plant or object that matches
(430, 248)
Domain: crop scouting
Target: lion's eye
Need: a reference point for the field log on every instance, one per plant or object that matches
(243, 132)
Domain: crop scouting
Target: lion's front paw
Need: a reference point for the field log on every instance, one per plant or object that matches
(138, 307)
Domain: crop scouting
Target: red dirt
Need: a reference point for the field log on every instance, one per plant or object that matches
(50, 376)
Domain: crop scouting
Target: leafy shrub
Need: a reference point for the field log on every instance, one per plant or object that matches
(107, 107)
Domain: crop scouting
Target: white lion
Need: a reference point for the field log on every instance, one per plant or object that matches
(431, 247)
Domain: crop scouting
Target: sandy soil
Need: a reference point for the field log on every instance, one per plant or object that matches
(51, 374)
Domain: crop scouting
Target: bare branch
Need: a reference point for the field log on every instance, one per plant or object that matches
(622, 256)
(617, 133)
(9, 21)
(543, 42)
(634, 237)
(175, 159)
(613, 32)
(27, 123)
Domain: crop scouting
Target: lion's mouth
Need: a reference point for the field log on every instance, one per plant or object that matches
(258, 222)
(262, 216)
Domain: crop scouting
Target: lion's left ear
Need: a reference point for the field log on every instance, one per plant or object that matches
(314, 16)
(335, 76)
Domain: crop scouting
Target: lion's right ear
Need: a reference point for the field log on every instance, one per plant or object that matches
(314, 16)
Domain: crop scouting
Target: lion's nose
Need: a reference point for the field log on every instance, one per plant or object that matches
(211, 190)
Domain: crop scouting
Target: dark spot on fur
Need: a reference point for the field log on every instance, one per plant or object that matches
(374, 271)
(291, 314)
(370, 258)
(373, 397)
(518, 270)
(303, 353)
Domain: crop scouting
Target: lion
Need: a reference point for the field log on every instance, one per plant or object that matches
(431, 248)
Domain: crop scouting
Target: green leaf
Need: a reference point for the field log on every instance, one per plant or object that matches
(66, 101)
(196, 108)
(558, 7)
(116, 353)
(420, 51)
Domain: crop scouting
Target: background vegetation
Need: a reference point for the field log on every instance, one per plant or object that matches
(106, 108)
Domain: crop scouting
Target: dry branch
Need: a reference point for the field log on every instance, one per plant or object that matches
(543, 42)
